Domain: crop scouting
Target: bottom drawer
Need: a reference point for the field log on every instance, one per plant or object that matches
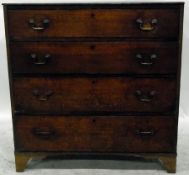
(95, 134)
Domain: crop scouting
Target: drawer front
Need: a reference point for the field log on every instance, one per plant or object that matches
(94, 57)
(83, 95)
(100, 134)
(139, 23)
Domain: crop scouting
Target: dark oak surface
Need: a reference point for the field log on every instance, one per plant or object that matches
(94, 57)
(109, 134)
(93, 23)
(68, 95)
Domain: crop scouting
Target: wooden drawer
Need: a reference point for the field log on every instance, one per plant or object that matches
(94, 57)
(31, 23)
(90, 95)
(100, 134)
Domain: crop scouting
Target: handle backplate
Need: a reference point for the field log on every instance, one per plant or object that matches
(145, 96)
(146, 60)
(37, 25)
(42, 95)
(146, 132)
(40, 60)
(147, 25)
(44, 132)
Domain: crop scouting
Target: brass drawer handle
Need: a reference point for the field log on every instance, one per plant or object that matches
(147, 26)
(142, 133)
(42, 25)
(44, 133)
(40, 60)
(146, 61)
(145, 97)
(42, 96)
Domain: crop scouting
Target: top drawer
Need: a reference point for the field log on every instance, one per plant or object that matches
(26, 24)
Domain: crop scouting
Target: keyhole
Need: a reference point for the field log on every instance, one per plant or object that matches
(92, 47)
(92, 15)
(94, 81)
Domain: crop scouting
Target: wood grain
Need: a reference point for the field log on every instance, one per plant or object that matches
(93, 23)
(82, 95)
(98, 134)
(95, 57)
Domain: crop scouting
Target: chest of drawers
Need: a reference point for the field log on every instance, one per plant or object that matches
(95, 80)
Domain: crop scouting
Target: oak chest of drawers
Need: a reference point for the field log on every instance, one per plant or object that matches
(100, 80)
